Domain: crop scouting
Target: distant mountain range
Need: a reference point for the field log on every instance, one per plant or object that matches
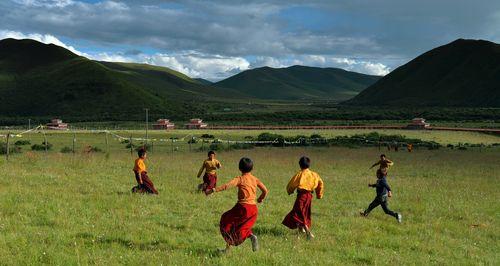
(462, 73)
(38, 79)
(298, 83)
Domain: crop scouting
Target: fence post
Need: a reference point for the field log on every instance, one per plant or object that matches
(191, 142)
(228, 145)
(8, 147)
(45, 141)
(202, 143)
(152, 145)
(107, 146)
(172, 144)
(131, 146)
(74, 141)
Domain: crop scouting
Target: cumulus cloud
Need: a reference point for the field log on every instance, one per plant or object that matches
(43, 38)
(355, 65)
(217, 38)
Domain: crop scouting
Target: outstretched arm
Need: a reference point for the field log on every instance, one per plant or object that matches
(375, 164)
(319, 188)
(234, 182)
(292, 184)
(264, 190)
(201, 169)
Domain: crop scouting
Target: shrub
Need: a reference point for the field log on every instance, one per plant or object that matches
(207, 136)
(14, 149)
(22, 142)
(41, 147)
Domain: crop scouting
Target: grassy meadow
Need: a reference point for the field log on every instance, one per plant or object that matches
(77, 209)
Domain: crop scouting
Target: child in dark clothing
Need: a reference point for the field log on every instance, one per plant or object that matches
(383, 193)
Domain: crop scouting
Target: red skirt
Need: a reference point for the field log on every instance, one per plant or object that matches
(147, 185)
(209, 181)
(300, 215)
(236, 224)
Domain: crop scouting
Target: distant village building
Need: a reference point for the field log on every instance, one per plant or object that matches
(195, 123)
(163, 124)
(57, 124)
(418, 123)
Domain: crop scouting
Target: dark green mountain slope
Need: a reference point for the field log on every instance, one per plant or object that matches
(462, 73)
(298, 82)
(38, 79)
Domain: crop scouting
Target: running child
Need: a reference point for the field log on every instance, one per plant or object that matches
(305, 182)
(144, 184)
(210, 167)
(236, 224)
(383, 193)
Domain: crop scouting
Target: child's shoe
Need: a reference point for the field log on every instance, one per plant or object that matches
(400, 218)
(255, 242)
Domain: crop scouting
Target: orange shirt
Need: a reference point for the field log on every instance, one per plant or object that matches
(247, 188)
(139, 166)
(210, 166)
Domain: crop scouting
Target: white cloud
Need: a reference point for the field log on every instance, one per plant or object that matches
(45, 3)
(43, 38)
(213, 67)
(361, 66)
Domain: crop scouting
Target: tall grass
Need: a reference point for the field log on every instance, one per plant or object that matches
(77, 209)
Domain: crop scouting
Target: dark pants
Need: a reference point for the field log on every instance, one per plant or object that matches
(382, 201)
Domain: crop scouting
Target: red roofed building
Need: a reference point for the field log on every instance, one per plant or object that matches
(195, 123)
(163, 124)
(418, 123)
(57, 124)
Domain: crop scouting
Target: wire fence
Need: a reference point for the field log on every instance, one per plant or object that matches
(90, 141)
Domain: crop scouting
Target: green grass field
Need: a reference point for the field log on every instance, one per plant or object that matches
(77, 209)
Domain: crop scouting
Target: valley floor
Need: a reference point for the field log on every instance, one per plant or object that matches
(77, 209)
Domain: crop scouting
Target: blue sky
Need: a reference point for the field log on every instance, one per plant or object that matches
(215, 39)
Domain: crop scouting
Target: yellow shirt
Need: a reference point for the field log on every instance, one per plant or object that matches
(307, 180)
(210, 166)
(247, 188)
(139, 166)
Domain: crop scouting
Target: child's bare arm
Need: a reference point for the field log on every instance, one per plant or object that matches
(264, 190)
(201, 170)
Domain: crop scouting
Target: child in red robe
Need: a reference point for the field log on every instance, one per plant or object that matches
(144, 184)
(236, 224)
(210, 167)
(305, 181)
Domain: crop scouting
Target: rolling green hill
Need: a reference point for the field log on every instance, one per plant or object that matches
(38, 79)
(298, 82)
(462, 73)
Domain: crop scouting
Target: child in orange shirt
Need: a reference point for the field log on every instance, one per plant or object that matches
(144, 184)
(236, 224)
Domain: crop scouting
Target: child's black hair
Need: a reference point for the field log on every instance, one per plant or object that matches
(304, 162)
(382, 155)
(246, 165)
(210, 153)
(141, 152)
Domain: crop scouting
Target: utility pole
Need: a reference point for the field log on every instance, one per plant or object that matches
(147, 136)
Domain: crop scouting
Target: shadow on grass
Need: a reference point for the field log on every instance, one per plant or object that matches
(273, 231)
(158, 245)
